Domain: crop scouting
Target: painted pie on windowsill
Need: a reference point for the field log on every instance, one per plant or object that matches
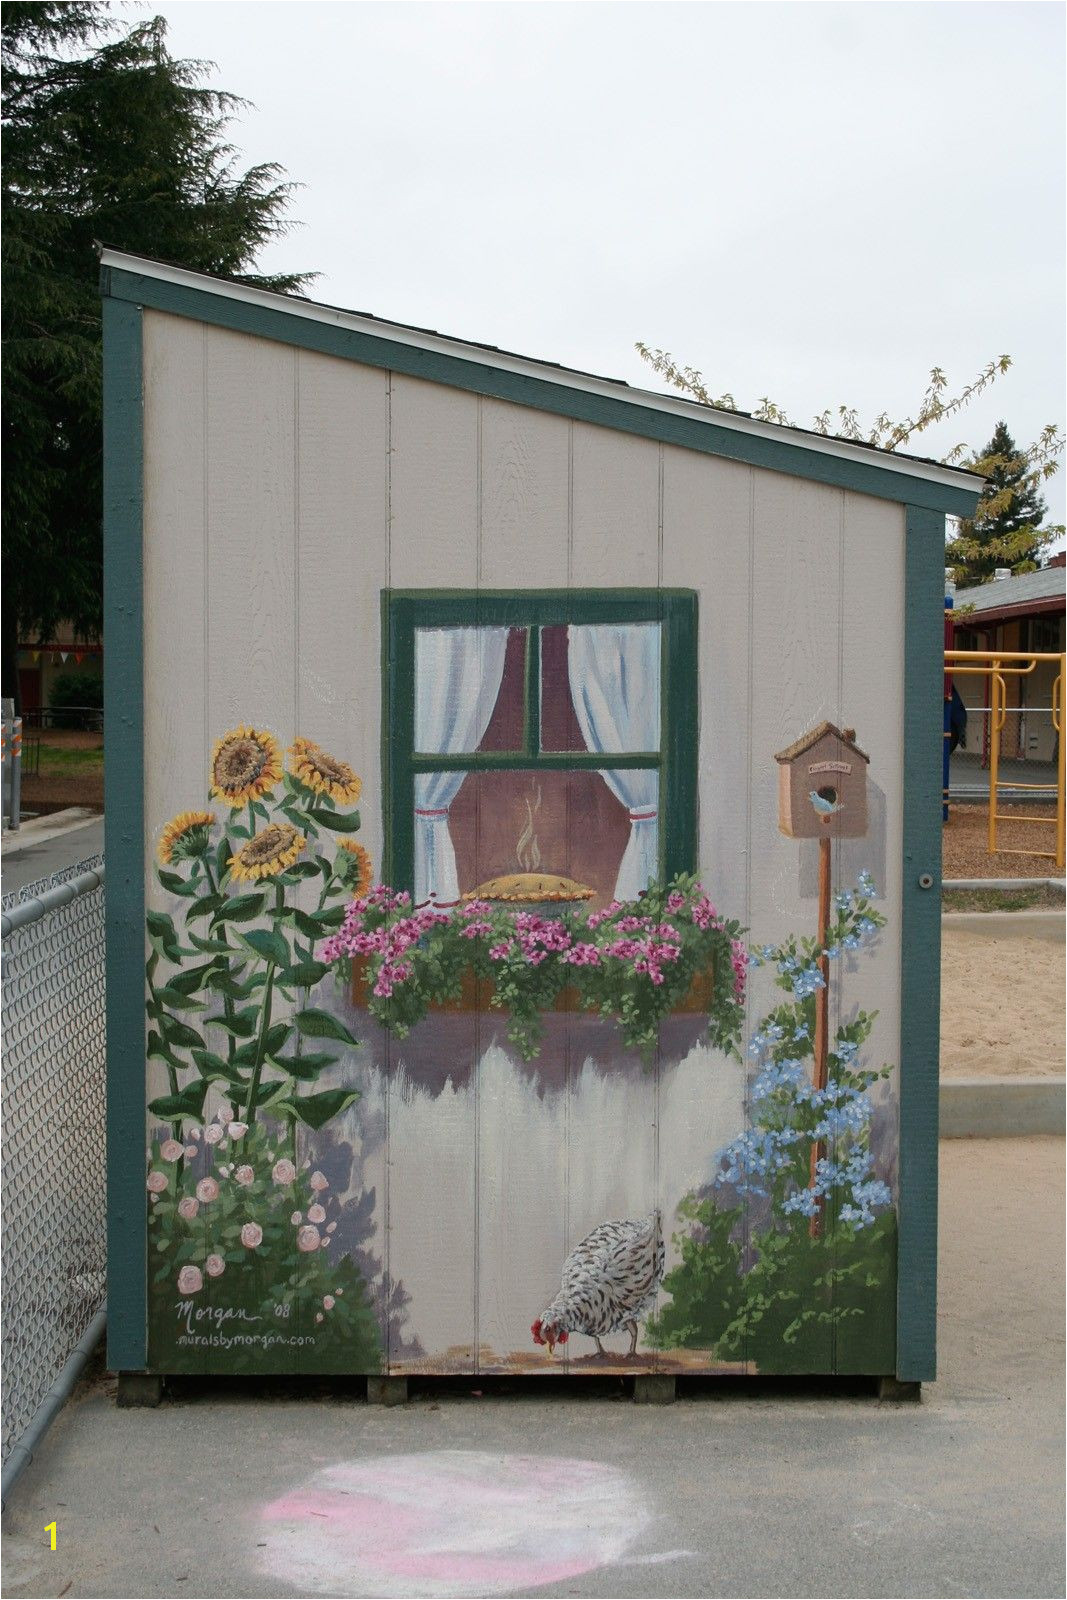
(530, 888)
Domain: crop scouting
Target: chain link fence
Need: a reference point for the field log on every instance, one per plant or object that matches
(53, 1232)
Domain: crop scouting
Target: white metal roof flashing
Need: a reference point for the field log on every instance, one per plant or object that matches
(565, 377)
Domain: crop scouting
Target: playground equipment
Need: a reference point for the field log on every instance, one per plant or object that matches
(997, 666)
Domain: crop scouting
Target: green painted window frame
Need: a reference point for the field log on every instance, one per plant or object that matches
(404, 611)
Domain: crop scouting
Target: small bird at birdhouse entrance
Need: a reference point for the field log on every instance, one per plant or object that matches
(825, 802)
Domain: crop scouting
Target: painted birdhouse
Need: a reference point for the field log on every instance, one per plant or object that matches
(822, 785)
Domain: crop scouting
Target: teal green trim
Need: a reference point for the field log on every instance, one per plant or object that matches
(405, 610)
(531, 725)
(124, 838)
(924, 598)
(477, 377)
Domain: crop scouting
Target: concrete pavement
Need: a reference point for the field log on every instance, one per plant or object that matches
(234, 1490)
(46, 845)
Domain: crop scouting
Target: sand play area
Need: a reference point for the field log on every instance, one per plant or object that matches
(1002, 1003)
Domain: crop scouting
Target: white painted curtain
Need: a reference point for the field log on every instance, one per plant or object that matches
(457, 680)
(615, 687)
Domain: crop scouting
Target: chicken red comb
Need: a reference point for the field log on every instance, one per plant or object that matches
(535, 1329)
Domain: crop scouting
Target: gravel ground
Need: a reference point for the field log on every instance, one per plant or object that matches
(965, 844)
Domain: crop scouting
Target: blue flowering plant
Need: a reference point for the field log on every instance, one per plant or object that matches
(754, 1276)
(774, 1157)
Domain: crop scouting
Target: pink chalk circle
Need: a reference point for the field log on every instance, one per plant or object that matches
(452, 1523)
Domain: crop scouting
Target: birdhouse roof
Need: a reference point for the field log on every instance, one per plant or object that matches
(806, 740)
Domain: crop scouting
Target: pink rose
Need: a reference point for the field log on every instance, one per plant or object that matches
(170, 1150)
(283, 1171)
(307, 1239)
(316, 1213)
(328, 1302)
(190, 1280)
(157, 1182)
(188, 1207)
(190, 1151)
(331, 1228)
(213, 1133)
(237, 1130)
(296, 1218)
(318, 1316)
(207, 1190)
(194, 1133)
(244, 1176)
(251, 1235)
(215, 1266)
(319, 1181)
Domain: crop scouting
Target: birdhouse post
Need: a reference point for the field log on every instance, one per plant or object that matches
(822, 794)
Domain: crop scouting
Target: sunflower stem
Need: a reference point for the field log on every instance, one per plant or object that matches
(227, 1001)
(257, 1066)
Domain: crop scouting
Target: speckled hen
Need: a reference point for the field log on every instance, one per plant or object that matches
(609, 1281)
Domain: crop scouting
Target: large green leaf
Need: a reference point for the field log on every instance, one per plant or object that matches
(276, 1038)
(176, 1032)
(192, 978)
(336, 821)
(211, 1066)
(222, 983)
(158, 1051)
(322, 1025)
(301, 869)
(304, 974)
(163, 934)
(308, 925)
(208, 946)
(241, 908)
(305, 1068)
(268, 944)
(242, 1024)
(189, 1102)
(314, 1110)
(169, 996)
(175, 884)
(202, 905)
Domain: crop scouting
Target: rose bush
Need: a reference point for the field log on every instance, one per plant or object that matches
(276, 1270)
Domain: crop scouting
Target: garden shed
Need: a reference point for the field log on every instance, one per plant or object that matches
(469, 1011)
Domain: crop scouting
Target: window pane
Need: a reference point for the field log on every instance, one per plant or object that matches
(481, 825)
(600, 687)
(468, 689)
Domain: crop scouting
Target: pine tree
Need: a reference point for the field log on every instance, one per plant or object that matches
(106, 137)
(1006, 528)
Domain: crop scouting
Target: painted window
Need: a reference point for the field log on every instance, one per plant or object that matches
(548, 733)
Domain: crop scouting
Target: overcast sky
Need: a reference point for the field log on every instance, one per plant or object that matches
(812, 201)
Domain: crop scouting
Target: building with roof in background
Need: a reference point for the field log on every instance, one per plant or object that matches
(1023, 612)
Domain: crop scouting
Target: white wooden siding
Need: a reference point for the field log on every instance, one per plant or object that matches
(283, 491)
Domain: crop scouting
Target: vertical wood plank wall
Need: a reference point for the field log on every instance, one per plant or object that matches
(285, 489)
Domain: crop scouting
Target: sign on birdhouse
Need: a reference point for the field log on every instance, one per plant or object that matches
(822, 785)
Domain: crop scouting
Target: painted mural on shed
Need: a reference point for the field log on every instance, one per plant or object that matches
(523, 885)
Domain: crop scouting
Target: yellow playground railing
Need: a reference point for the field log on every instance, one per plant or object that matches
(997, 666)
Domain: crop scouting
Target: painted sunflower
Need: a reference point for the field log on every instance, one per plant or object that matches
(354, 866)
(318, 771)
(268, 852)
(245, 763)
(185, 836)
